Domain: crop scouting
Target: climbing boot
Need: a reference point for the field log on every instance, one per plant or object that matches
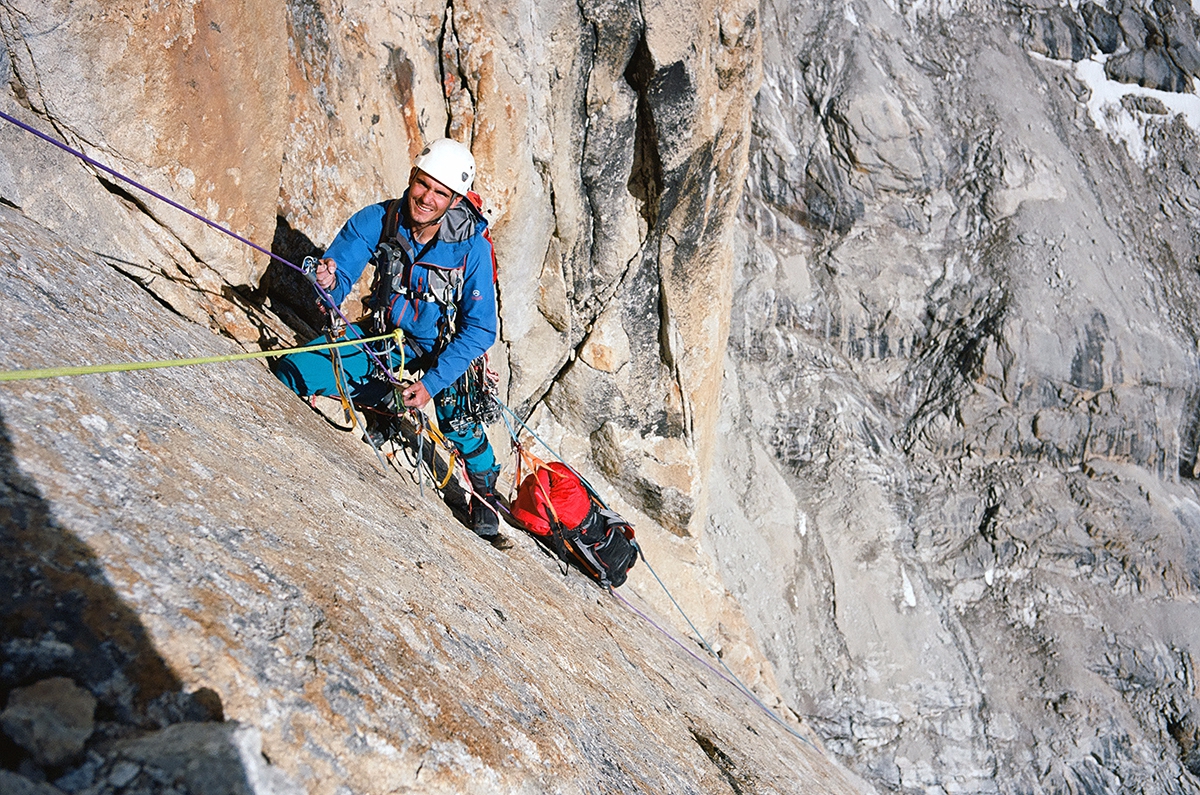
(485, 517)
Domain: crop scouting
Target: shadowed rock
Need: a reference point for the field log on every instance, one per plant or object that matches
(51, 719)
(1102, 27)
(1056, 33)
(1148, 68)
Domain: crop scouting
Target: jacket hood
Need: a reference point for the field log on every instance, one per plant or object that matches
(461, 222)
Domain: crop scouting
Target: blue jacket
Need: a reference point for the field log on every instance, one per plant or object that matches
(460, 244)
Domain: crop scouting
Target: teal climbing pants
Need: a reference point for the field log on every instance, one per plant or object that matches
(312, 373)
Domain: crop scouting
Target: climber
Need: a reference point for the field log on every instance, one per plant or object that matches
(435, 282)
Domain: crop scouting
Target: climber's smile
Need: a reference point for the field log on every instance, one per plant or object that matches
(428, 201)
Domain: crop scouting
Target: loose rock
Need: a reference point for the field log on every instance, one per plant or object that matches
(51, 719)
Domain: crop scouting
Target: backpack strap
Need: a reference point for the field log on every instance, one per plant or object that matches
(394, 260)
(385, 264)
(476, 202)
(557, 528)
(391, 220)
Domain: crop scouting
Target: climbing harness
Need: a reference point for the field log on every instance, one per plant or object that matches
(394, 258)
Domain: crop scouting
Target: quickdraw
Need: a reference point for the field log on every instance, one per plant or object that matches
(473, 397)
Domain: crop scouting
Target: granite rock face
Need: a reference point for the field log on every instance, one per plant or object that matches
(611, 137)
(877, 318)
(964, 350)
(195, 546)
(184, 98)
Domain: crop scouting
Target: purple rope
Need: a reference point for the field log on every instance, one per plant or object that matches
(737, 685)
(673, 639)
(329, 300)
(325, 296)
(143, 188)
(731, 678)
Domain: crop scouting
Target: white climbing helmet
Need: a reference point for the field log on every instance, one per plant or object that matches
(450, 163)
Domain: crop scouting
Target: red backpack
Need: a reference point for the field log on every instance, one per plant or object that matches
(556, 505)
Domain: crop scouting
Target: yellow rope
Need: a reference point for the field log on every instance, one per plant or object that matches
(425, 428)
(335, 362)
(60, 372)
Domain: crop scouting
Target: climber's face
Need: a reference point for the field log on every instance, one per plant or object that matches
(428, 199)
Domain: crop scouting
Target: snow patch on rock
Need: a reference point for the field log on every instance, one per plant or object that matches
(1109, 115)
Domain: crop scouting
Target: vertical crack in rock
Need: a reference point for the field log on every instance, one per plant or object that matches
(447, 32)
(456, 87)
(607, 47)
(666, 350)
(727, 767)
(19, 73)
(228, 292)
(646, 178)
(585, 133)
(607, 149)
